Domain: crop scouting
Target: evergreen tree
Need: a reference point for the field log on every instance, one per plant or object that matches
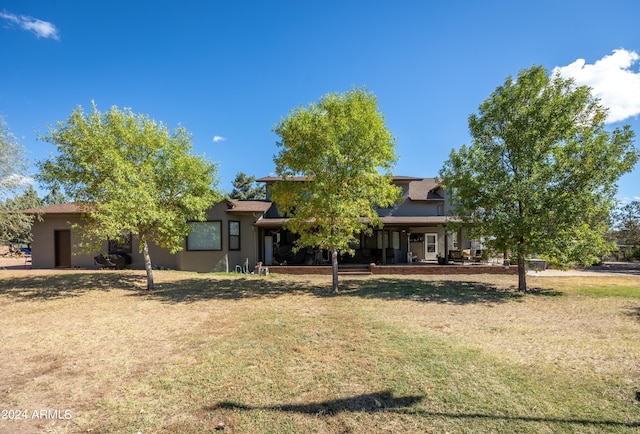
(245, 188)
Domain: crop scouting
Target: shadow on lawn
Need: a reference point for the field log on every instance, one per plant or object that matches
(369, 403)
(440, 291)
(634, 312)
(186, 290)
(60, 286)
(385, 402)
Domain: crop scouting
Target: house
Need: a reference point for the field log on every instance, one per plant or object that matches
(225, 239)
(413, 230)
(236, 232)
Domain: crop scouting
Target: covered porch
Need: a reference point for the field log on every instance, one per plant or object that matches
(401, 240)
(416, 269)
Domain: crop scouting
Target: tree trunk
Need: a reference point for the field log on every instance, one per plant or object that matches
(522, 274)
(334, 267)
(147, 264)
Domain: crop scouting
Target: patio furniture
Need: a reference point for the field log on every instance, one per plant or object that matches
(113, 262)
(28, 259)
(456, 256)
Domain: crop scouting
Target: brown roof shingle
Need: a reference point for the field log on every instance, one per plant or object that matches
(424, 189)
(61, 208)
(272, 179)
(248, 206)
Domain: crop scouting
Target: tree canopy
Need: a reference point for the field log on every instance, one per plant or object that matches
(132, 175)
(540, 175)
(344, 151)
(16, 227)
(13, 169)
(13, 164)
(627, 225)
(245, 188)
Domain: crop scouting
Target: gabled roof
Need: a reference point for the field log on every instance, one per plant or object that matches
(396, 221)
(248, 206)
(272, 179)
(235, 206)
(415, 220)
(425, 189)
(61, 208)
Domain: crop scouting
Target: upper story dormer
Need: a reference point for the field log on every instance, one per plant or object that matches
(420, 197)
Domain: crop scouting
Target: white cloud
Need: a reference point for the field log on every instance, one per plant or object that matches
(217, 139)
(13, 183)
(612, 80)
(42, 29)
(18, 180)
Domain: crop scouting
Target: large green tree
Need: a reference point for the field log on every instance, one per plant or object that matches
(132, 175)
(540, 174)
(16, 227)
(13, 170)
(13, 165)
(344, 151)
(245, 188)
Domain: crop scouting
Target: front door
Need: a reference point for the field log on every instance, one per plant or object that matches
(62, 248)
(430, 246)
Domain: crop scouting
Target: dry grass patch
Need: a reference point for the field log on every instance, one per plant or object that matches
(281, 354)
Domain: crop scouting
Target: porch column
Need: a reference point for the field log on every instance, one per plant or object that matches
(446, 245)
(384, 248)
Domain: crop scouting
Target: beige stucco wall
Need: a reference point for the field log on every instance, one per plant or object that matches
(224, 260)
(43, 244)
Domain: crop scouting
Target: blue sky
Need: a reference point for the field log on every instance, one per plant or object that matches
(228, 71)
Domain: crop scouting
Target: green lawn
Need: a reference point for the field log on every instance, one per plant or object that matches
(282, 354)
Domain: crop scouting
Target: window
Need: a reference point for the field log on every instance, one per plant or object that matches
(234, 235)
(453, 239)
(205, 236)
(396, 240)
(431, 243)
(122, 244)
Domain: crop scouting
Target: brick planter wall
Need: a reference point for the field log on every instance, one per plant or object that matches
(300, 269)
(441, 269)
(397, 269)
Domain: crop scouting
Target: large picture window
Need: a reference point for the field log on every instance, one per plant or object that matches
(234, 235)
(205, 236)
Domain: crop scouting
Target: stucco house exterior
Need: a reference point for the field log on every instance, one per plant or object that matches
(239, 232)
(229, 223)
